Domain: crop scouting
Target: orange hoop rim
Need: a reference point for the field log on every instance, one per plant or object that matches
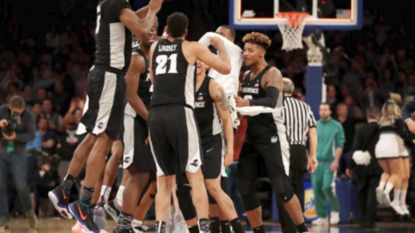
(295, 19)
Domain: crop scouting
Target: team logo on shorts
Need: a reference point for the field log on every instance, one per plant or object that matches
(274, 139)
(100, 125)
(127, 160)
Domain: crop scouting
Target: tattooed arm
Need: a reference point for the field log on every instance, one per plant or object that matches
(217, 93)
(272, 83)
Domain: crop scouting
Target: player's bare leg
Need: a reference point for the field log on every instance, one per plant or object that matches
(142, 209)
(199, 198)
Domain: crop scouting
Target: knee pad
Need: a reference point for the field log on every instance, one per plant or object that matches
(185, 202)
(247, 190)
(282, 188)
(212, 200)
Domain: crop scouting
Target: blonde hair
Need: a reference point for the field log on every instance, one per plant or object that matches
(396, 98)
(390, 112)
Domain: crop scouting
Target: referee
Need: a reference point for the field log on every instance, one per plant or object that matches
(299, 120)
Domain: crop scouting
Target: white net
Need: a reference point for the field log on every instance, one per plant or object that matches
(292, 29)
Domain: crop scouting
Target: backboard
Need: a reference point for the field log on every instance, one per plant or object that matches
(325, 14)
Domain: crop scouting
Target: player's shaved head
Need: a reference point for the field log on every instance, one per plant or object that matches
(177, 25)
(288, 86)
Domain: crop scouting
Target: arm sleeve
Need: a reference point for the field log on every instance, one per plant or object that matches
(115, 6)
(30, 133)
(270, 99)
(407, 109)
(340, 139)
(311, 120)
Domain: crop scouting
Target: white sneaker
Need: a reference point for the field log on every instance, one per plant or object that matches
(379, 196)
(405, 209)
(397, 208)
(386, 199)
(334, 218)
(320, 222)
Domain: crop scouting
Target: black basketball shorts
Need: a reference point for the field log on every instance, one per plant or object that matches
(213, 159)
(174, 139)
(106, 102)
(136, 152)
(259, 160)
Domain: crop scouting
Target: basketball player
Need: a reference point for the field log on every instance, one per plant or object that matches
(106, 93)
(230, 83)
(262, 86)
(137, 155)
(211, 103)
(174, 137)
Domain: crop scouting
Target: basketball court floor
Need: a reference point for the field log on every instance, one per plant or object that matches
(55, 225)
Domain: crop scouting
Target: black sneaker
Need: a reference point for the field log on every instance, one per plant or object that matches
(60, 200)
(123, 231)
(84, 214)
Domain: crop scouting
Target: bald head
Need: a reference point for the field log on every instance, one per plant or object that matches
(288, 86)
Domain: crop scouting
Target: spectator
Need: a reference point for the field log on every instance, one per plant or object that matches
(371, 97)
(53, 117)
(329, 133)
(52, 38)
(60, 98)
(332, 99)
(354, 111)
(48, 137)
(37, 110)
(348, 125)
(48, 180)
(28, 94)
(13, 157)
(41, 95)
(68, 138)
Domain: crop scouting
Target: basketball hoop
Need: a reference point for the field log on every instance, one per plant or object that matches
(291, 28)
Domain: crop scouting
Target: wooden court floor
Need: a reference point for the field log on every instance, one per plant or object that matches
(56, 225)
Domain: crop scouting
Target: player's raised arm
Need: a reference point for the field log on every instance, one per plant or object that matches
(137, 25)
(220, 63)
(132, 78)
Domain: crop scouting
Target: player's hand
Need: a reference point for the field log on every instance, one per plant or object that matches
(349, 173)
(334, 166)
(11, 137)
(3, 123)
(155, 5)
(228, 159)
(312, 164)
(411, 125)
(147, 141)
(241, 102)
(216, 42)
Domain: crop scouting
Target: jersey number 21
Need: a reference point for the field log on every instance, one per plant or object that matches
(162, 64)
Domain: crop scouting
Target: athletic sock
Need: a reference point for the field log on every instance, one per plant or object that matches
(204, 225)
(214, 225)
(160, 227)
(120, 194)
(302, 228)
(402, 198)
(396, 196)
(137, 223)
(105, 193)
(87, 194)
(68, 182)
(259, 229)
(382, 185)
(389, 187)
(225, 226)
(193, 229)
(124, 221)
(236, 226)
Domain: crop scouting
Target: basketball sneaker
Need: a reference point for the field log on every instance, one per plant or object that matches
(84, 214)
(32, 219)
(321, 222)
(4, 223)
(60, 200)
(139, 227)
(113, 209)
(99, 217)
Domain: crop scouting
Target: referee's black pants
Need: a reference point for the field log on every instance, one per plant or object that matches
(298, 163)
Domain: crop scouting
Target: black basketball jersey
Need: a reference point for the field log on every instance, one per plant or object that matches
(174, 78)
(145, 81)
(206, 115)
(262, 128)
(112, 39)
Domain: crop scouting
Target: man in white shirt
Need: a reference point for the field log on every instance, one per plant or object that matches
(229, 82)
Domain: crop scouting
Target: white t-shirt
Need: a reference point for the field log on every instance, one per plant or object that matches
(229, 82)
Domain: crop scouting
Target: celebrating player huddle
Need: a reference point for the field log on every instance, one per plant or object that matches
(176, 125)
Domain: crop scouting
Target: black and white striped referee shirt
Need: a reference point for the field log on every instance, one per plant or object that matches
(298, 119)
